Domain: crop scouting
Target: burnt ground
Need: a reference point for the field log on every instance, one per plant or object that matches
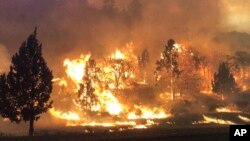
(170, 133)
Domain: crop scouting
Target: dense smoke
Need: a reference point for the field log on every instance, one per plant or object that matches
(5, 57)
(67, 27)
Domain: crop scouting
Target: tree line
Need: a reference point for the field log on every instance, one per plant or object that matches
(25, 91)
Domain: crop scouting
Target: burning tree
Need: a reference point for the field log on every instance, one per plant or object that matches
(86, 96)
(200, 62)
(119, 69)
(224, 81)
(243, 59)
(169, 62)
(239, 64)
(202, 66)
(143, 60)
(25, 91)
(191, 66)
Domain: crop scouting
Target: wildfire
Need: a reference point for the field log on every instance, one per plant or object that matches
(244, 88)
(226, 110)
(246, 119)
(178, 47)
(208, 119)
(146, 113)
(114, 71)
(207, 92)
(71, 116)
(104, 124)
(223, 109)
(104, 80)
(112, 105)
(75, 68)
(140, 127)
(61, 82)
(118, 55)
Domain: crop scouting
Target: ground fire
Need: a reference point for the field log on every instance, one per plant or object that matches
(99, 89)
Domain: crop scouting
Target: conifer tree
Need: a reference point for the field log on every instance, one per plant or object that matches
(25, 90)
(224, 81)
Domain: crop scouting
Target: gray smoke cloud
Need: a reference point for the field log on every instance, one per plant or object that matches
(66, 27)
(69, 28)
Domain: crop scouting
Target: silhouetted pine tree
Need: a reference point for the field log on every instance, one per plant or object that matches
(25, 91)
(224, 81)
(5, 107)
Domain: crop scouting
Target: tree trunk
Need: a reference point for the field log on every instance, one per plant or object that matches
(31, 128)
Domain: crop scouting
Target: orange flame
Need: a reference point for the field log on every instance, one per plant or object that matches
(71, 116)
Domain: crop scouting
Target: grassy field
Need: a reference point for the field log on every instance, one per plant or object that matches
(193, 133)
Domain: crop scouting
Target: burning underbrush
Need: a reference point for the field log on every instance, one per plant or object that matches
(115, 91)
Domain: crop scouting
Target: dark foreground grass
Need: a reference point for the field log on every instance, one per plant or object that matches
(152, 134)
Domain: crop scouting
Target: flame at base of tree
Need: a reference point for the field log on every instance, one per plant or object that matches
(71, 116)
(146, 113)
(98, 87)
